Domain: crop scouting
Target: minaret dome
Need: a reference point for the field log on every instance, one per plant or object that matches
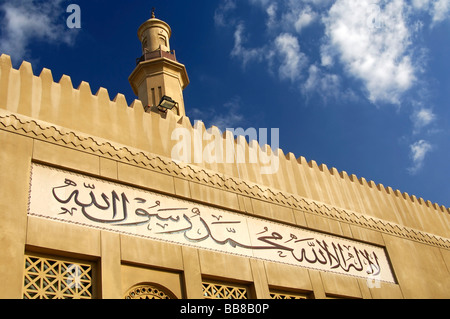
(154, 34)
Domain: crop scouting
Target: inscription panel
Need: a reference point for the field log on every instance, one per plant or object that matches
(73, 198)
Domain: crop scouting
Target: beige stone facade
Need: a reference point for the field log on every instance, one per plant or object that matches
(54, 126)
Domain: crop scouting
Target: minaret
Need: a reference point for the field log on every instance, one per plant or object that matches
(157, 72)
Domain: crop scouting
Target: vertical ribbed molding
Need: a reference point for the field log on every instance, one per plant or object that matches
(48, 90)
(215, 150)
(5, 70)
(387, 209)
(444, 218)
(262, 180)
(330, 186)
(354, 202)
(397, 217)
(134, 122)
(120, 101)
(426, 223)
(441, 217)
(26, 88)
(197, 143)
(181, 142)
(413, 203)
(373, 194)
(64, 108)
(311, 173)
(285, 178)
(118, 107)
(411, 206)
(338, 190)
(404, 209)
(291, 175)
(168, 125)
(326, 194)
(357, 195)
(249, 153)
(385, 202)
(103, 107)
(242, 157)
(36, 95)
(103, 100)
(436, 210)
(300, 168)
(230, 150)
(85, 107)
(103, 110)
(284, 175)
(269, 163)
(369, 203)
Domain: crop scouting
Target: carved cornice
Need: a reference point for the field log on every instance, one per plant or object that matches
(40, 130)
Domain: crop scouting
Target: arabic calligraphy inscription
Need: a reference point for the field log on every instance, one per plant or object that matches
(74, 198)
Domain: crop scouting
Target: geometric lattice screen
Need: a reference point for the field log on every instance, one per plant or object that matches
(48, 278)
(286, 295)
(222, 291)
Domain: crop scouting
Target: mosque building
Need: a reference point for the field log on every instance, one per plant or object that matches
(105, 200)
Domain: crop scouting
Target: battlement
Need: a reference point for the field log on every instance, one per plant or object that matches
(97, 115)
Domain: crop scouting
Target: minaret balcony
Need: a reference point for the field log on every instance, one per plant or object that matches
(157, 54)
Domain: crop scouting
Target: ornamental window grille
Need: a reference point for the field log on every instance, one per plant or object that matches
(224, 291)
(149, 291)
(53, 278)
(274, 294)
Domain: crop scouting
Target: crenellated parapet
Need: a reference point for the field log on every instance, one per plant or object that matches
(46, 109)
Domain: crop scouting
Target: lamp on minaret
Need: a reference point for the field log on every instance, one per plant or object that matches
(158, 76)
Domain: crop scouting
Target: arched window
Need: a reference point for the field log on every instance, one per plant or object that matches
(144, 45)
(162, 40)
(149, 291)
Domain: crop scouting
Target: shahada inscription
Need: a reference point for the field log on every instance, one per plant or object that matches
(68, 197)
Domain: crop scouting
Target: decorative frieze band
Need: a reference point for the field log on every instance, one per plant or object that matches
(44, 131)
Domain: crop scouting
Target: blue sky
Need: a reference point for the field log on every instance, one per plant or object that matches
(362, 86)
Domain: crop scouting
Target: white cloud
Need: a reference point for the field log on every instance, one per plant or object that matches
(271, 15)
(285, 49)
(221, 13)
(293, 60)
(327, 55)
(420, 4)
(327, 84)
(418, 151)
(380, 54)
(422, 118)
(242, 52)
(226, 116)
(230, 116)
(319, 2)
(440, 11)
(289, 15)
(26, 21)
(305, 18)
(373, 46)
(262, 3)
(374, 41)
(296, 16)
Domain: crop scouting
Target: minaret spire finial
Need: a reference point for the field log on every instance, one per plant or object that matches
(153, 13)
